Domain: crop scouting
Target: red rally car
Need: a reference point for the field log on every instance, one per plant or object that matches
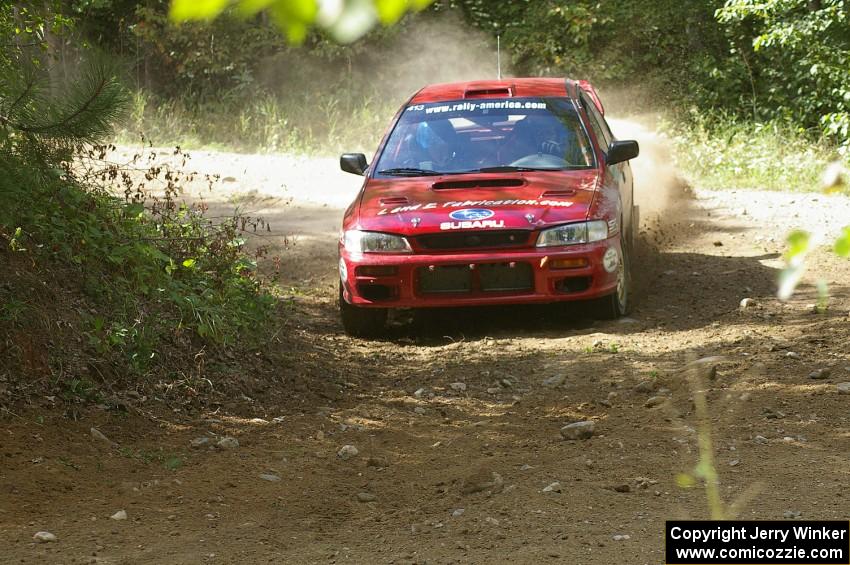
(484, 193)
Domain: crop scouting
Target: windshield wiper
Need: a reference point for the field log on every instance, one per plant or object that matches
(409, 172)
(513, 169)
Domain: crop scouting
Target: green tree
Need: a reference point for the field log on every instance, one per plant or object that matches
(41, 122)
(801, 54)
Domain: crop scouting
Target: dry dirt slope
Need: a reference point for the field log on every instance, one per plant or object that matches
(447, 474)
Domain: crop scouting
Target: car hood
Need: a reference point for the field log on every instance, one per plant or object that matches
(533, 200)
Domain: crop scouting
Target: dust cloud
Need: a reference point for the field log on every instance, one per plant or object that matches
(436, 50)
(662, 194)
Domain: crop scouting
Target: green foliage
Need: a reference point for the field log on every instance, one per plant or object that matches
(545, 37)
(81, 391)
(721, 152)
(801, 52)
(157, 273)
(764, 60)
(206, 61)
(338, 120)
(24, 26)
(173, 463)
(83, 114)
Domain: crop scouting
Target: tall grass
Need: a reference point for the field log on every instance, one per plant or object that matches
(719, 153)
(316, 123)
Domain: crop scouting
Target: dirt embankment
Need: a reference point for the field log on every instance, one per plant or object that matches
(456, 426)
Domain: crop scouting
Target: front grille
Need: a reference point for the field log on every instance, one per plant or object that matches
(473, 240)
(487, 277)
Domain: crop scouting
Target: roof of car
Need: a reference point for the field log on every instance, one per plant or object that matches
(505, 88)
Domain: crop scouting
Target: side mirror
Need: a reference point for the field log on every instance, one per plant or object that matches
(620, 151)
(354, 163)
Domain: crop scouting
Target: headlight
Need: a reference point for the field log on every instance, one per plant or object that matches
(572, 234)
(357, 241)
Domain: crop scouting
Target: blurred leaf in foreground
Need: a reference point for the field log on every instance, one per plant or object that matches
(799, 245)
(345, 20)
(834, 178)
(842, 244)
(685, 480)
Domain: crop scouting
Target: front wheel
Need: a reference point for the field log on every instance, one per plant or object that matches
(361, 322)
(618, 303)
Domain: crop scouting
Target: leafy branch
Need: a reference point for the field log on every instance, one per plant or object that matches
(801, 242)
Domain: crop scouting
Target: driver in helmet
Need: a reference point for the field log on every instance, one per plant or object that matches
(533, 135)
(434, 144)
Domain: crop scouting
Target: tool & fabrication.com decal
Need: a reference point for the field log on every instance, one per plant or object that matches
(472, 203)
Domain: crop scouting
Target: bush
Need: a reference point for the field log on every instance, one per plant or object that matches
(718, 151)
(154, 274)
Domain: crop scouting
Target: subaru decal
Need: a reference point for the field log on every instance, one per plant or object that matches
(472, 214)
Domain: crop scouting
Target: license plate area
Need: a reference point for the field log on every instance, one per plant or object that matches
(483, 278)
(506, 277)
(450, 278)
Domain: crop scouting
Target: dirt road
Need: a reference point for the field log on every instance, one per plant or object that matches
(456, 422)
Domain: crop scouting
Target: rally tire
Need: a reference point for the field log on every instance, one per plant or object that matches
(361, 322)
(618, 303)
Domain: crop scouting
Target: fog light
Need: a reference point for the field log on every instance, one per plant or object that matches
(611, 260)
(343, 270)
(376, 271)
(569, 263)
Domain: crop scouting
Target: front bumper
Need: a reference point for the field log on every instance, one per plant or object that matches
(521, 276)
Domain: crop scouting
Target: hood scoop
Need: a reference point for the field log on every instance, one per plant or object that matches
(488, 92)
(558, 193)
(478, 183)
(394, 201)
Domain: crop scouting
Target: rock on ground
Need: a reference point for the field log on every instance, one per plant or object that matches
(44, 537)
(98, 435)
(578, 430)
(483, 481)
(228, 442)
(557, 380)
(654, 401)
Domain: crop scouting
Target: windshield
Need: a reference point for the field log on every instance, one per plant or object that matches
(486, 135)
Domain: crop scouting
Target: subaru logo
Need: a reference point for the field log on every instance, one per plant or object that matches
(472, 214)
